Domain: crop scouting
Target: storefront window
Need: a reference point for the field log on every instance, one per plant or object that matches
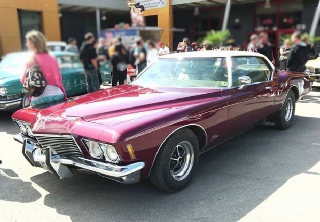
(267, 16)
(29, 20)
(290, 14)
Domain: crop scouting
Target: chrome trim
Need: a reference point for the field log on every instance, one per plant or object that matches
(11, 105)
(206, 143)
(314, 75)
(58, 135)
(58, 165)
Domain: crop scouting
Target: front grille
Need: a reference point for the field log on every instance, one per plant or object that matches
(63, 145)
(3, 98)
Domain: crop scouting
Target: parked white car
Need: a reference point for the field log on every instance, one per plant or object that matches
(56, 46)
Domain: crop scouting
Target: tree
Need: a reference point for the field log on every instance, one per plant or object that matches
(215, 37)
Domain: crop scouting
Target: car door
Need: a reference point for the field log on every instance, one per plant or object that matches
(250, 102)
(72, 72)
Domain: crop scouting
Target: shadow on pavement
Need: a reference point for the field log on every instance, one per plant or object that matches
(17, 190)
(6, 123)
(231, 181)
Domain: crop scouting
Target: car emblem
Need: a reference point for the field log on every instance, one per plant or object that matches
(214, 137)
(64, 146)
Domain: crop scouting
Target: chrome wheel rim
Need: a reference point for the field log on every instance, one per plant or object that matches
(288, 110)
(181, 160)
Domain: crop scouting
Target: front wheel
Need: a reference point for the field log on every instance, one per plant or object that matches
(284, 119)
(25, 101)
(176, 161)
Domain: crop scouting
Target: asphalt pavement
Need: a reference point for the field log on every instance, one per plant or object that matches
(261, 175)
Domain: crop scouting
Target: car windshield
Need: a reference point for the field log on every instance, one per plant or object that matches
(14, 61)
(209, 72)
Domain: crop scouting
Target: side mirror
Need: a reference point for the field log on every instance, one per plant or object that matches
(244, 80)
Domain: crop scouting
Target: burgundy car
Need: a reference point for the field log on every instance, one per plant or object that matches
(156, 127)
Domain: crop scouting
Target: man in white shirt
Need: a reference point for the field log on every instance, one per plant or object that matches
(252, 46)
(163, 50)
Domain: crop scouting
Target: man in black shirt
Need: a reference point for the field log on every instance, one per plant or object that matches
(298, 55)
(265, 48)
(88, 56)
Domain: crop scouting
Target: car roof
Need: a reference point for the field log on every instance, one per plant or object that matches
(215, 54)
(56, 43)
(211, 53)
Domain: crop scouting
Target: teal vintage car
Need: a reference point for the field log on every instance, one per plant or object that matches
(12, 67)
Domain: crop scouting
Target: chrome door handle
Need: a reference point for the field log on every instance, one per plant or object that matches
(268, 87)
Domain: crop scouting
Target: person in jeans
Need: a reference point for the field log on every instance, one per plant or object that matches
(54, 91)
(89, 59)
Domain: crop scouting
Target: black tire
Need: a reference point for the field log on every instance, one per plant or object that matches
(25, 101)
(284, 118)
(162, 175)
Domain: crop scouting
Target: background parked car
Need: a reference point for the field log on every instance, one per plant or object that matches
(13, 65)
(314, 67)
(57, 46)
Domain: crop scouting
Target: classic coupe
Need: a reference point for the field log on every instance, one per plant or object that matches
(179, 107)
(13, 65)
(314, 67)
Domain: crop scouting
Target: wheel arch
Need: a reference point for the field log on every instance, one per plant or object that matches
(198, 131)
(295, 91)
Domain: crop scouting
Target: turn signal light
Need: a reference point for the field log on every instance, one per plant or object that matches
(131, 152)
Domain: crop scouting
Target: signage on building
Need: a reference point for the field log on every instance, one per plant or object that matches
(151, 4)
(128, 36)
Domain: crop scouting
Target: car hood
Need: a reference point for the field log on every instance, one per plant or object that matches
(116, 105)
(9, 74)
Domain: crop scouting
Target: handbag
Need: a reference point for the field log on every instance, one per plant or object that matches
(35, 83)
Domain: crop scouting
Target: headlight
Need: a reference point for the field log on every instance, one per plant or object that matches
(110, 153)
(94, 149)
(3, 91)
(100, 150)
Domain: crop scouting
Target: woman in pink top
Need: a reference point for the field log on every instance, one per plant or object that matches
(54, 91)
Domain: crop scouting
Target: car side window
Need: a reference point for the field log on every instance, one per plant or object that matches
(76, 61)
(254, 67)
(65, 62)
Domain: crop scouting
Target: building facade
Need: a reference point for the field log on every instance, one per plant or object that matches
(19, 16)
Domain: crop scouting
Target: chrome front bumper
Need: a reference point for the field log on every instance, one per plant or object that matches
(10, 105)
(48, 159)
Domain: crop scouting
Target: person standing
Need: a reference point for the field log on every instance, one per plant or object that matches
(284, 51)
(152, 54)
(48, 65)
(298, 55)
(72, 45)
(195, 46)
(205, 46)
(141, 56)
(119, 61)
(88, 56)
(187, 46)
(163, 50)
(252, 46)
(265, 48)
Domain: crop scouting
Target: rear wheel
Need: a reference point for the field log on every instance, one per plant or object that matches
(284, 119)
(176, 161)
